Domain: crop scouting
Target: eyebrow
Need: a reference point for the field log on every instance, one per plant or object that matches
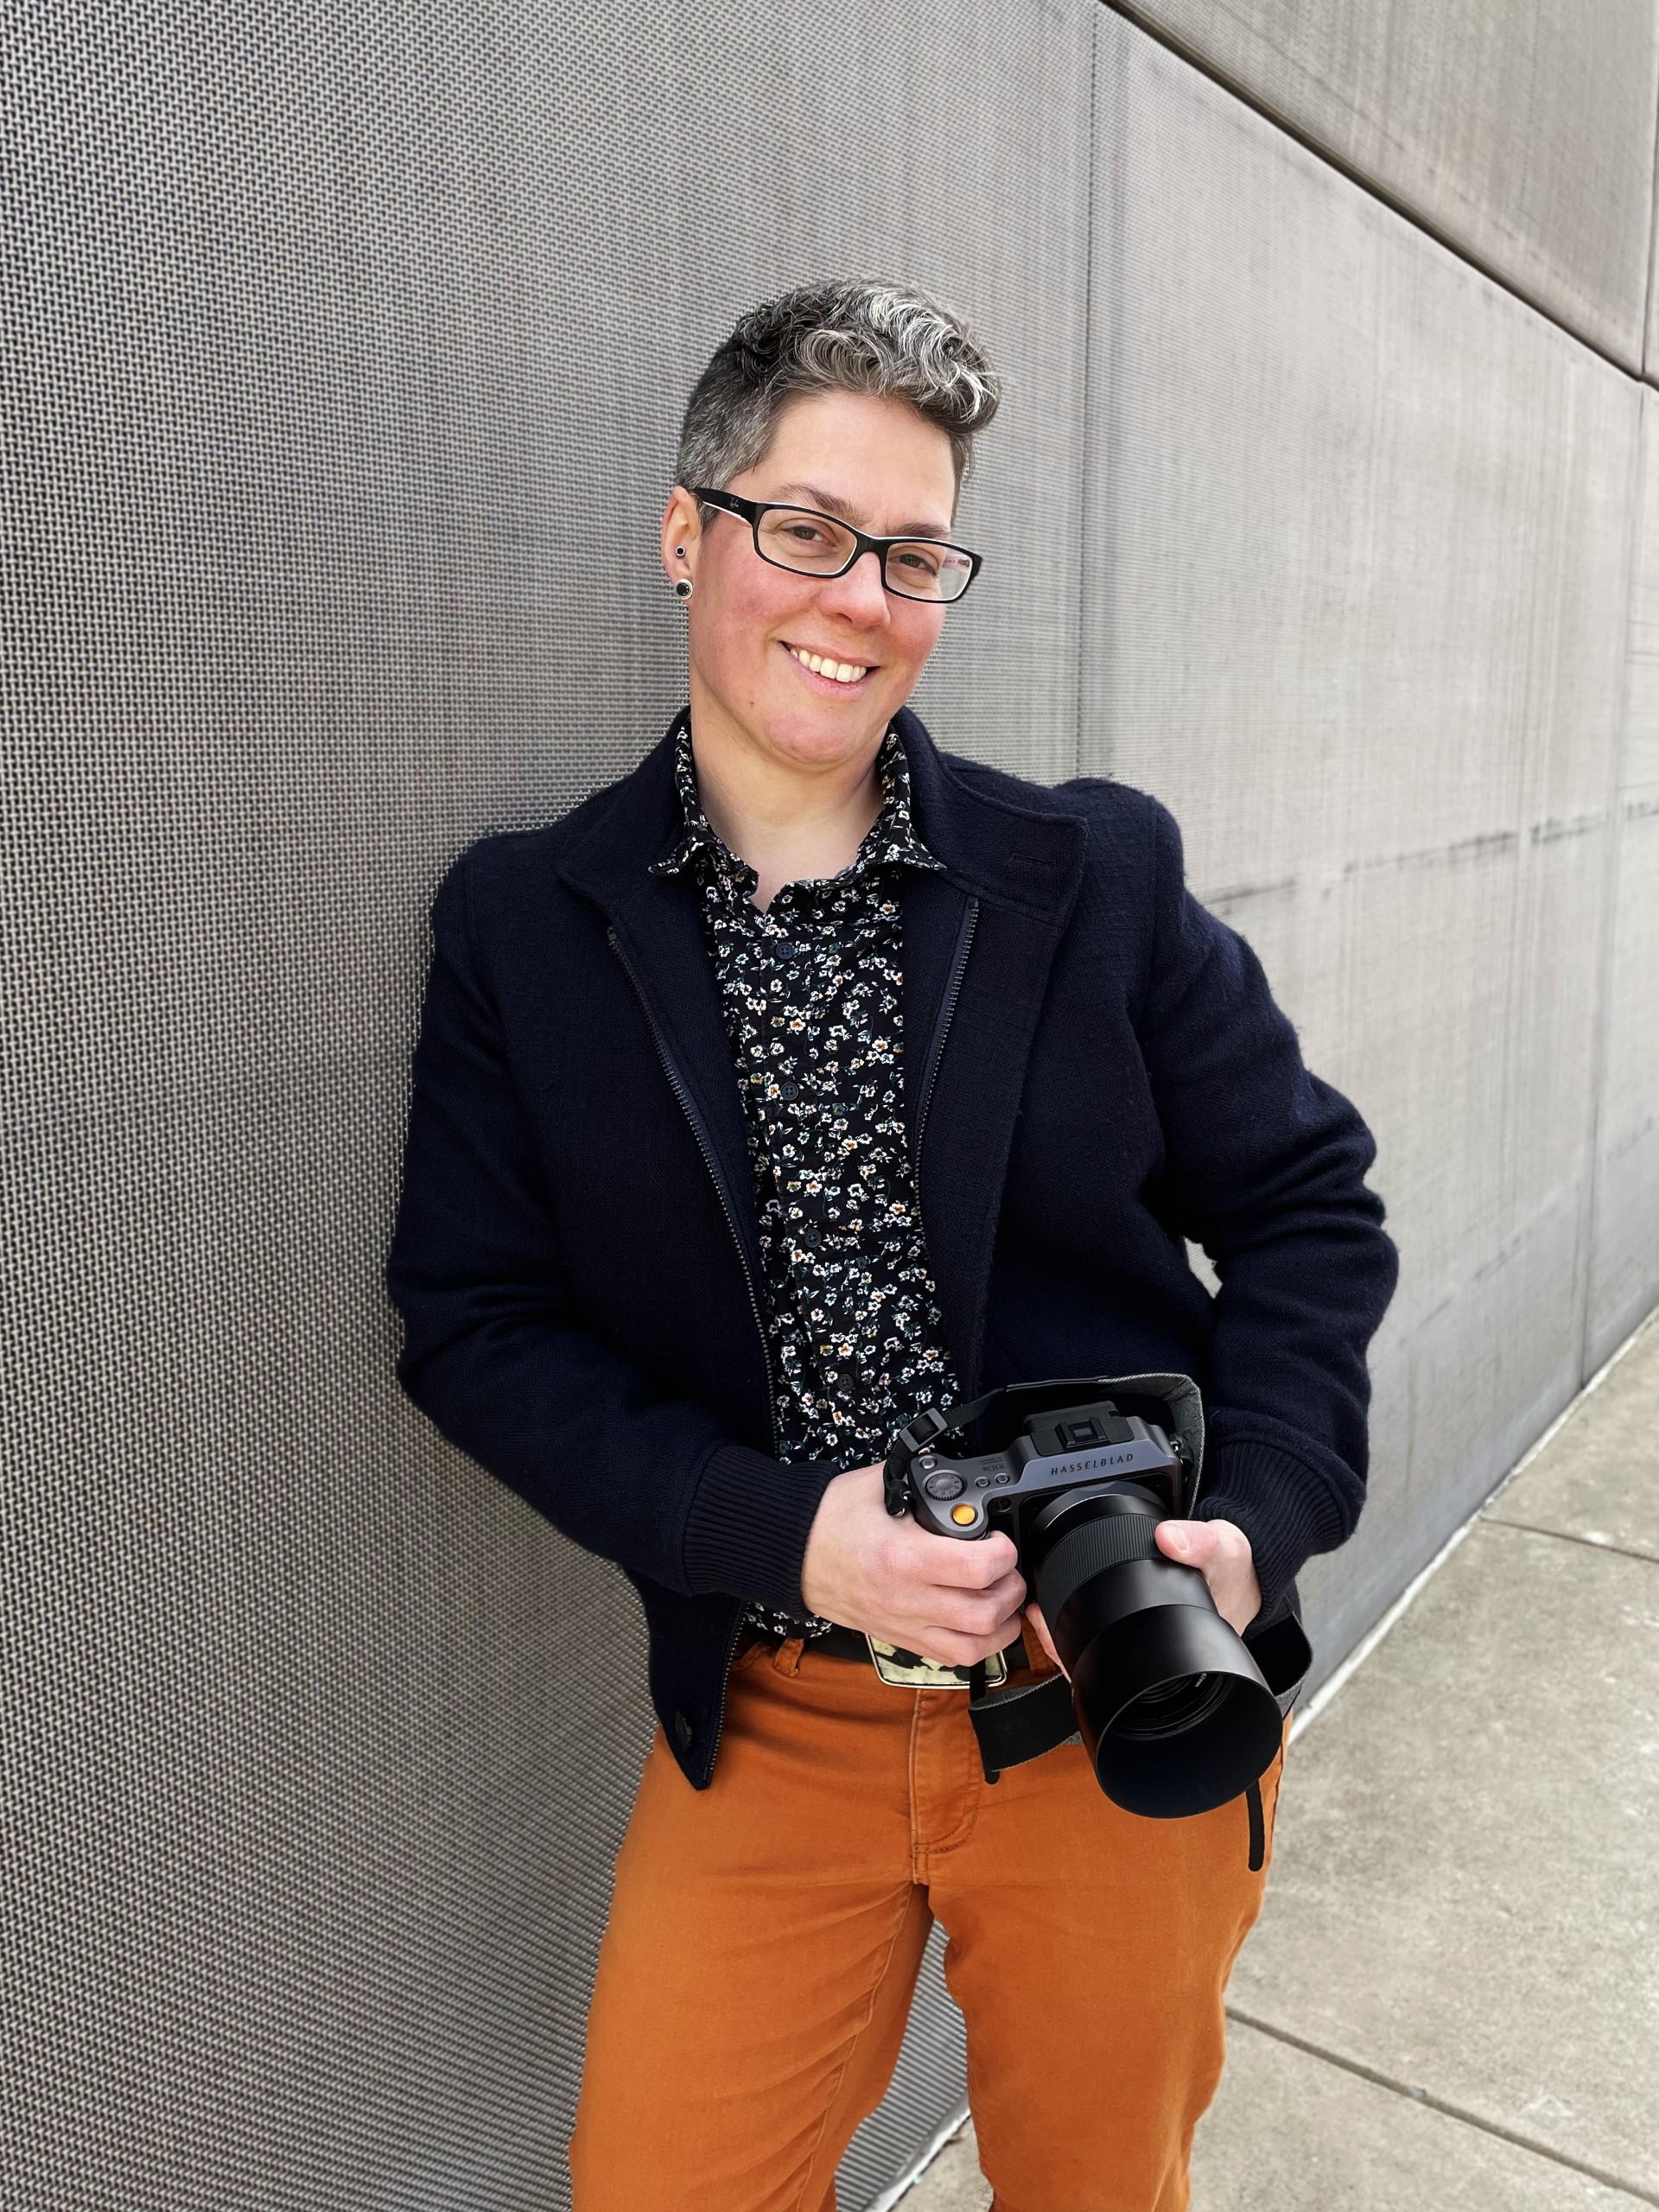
(832, 506)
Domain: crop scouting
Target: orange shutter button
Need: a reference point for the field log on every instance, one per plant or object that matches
(964, 1514)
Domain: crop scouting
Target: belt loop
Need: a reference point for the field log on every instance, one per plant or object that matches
(787, 1658)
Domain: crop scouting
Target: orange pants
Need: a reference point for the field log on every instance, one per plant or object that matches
(766, 1933)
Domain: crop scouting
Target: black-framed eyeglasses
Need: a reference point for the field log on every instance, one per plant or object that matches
(819, 545)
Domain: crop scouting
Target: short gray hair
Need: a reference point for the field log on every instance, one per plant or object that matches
(857, 335)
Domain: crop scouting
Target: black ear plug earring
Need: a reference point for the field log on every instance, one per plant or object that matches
(683, 587)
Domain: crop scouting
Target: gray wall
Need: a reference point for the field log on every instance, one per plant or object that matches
(1624, 1233)
(1523, 135)
(1361, 620)
(344, 351)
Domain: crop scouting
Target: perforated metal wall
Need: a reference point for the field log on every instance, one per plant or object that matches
(347, 348)
(344, 348)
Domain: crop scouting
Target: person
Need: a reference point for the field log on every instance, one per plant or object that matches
(806, 1077)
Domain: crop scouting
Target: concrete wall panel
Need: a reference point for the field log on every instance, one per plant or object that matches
(1523, 135)
(345, 361)
(1624, 1259)
(1361, 523)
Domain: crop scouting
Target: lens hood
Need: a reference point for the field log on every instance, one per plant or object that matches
(1174, 1711)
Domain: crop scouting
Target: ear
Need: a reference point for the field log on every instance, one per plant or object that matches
(681, 528)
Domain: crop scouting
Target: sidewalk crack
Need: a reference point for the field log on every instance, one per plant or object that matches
(1565, 1536)
(1444, 2105)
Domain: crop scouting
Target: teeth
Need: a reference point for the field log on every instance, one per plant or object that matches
(839, 672)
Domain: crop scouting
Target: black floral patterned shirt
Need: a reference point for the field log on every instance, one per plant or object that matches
(811, 991)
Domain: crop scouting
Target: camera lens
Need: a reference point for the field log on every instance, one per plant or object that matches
(1171, 1707)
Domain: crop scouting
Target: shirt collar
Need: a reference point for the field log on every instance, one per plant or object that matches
(890, 841)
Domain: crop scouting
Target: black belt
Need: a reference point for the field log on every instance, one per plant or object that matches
(838, 1643)
(1018, 1722)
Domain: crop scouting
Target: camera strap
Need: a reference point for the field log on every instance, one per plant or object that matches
(1258, 1827)
(1021, 1722)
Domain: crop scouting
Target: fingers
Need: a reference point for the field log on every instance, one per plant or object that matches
(951, 1650)
(964, 1626)
(972, 1566)
(954, 1650)
(978, 1612)
(958, 1603)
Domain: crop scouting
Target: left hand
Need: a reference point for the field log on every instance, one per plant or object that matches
(1221, 1552)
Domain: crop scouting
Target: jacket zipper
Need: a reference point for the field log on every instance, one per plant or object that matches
(964, 943)
(707, 1150)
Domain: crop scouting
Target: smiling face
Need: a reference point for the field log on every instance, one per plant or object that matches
(754, 629)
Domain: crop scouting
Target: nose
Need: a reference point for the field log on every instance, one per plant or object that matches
(859, 596)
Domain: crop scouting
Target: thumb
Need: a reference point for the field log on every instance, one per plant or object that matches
(1190, 1542)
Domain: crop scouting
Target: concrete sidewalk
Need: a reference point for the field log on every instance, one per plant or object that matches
(1451, 2000)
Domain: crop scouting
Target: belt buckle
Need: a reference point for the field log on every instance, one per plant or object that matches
(908, 1670)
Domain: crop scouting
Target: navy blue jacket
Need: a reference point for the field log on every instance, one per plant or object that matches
(1094, 1070)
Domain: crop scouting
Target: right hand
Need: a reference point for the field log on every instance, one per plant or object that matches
(956, 1603)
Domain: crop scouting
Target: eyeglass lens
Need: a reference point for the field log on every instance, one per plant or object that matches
(813, 544)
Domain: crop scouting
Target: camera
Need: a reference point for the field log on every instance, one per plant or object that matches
(1174, 1711)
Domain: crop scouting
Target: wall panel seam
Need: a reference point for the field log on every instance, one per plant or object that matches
(1607, 940)
(1086, 442)
(1162, 36)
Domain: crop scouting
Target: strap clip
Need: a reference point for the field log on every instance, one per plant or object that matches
(913, 1437)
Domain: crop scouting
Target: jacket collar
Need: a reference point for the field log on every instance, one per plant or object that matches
(891, 841)
(1025, 854)
(1028, 856)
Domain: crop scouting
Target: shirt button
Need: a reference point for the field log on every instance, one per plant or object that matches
(684, 1729)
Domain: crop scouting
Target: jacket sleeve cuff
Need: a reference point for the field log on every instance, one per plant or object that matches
(750, 1518)
(1287, 1508)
